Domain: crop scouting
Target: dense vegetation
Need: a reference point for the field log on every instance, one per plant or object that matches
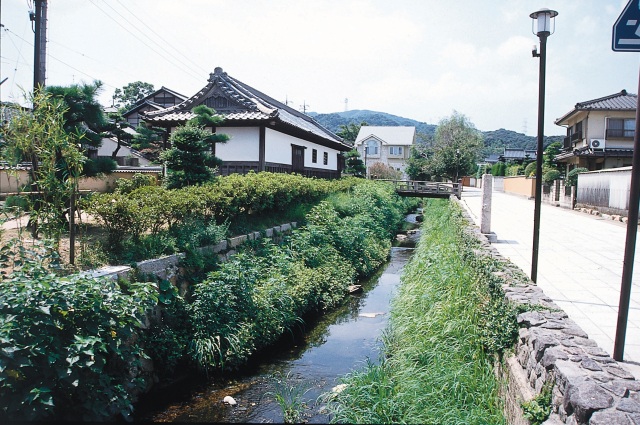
(68, 345)
(148, 221)
(447, 320)
(265, 290)
(75, 347)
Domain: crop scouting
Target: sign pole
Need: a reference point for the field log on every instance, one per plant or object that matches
(630, 244)
(626, 38)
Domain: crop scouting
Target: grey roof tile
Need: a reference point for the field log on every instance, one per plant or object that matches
(621, 101)
(245, 104)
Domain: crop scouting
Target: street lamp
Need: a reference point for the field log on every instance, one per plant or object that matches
(541, 20)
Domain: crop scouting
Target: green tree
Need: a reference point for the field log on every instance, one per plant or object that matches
(84, 115)
(41, 136)
(354, 163)
(130, 94)
(349, 132)
(456, 148)
(190, 160)
(418, 167)
(149, 141)
(116, 127)
(85, 119)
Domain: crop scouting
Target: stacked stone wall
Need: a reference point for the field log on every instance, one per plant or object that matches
(588, 386)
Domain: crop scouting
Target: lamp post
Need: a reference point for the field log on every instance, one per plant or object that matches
(542, 20)
(457, 164)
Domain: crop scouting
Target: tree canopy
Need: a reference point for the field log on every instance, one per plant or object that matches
(453, 153)
(190, 160)
(132, 93)
(349, 132)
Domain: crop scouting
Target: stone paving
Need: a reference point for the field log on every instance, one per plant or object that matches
(579, 263)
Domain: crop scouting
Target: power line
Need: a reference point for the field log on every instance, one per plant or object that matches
(185, 70)
(135, 15)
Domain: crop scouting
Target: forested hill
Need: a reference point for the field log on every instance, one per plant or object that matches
(494, 141)
(333, 121)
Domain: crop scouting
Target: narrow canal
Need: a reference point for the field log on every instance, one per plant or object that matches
(337, 343)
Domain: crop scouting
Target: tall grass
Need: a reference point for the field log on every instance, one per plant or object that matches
(436, 368)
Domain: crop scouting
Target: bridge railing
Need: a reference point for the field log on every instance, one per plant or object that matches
(426, 188)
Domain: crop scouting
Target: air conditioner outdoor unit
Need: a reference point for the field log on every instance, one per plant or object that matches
(597, 144)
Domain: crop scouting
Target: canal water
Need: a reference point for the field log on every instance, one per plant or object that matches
(336, 344)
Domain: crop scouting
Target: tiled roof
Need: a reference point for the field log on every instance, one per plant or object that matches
(243, 103)
(622, 101)
(519, 154)
(392, 135)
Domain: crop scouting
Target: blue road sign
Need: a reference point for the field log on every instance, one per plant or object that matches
(626, 30)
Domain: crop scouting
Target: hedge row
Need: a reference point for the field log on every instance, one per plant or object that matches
(152, 209)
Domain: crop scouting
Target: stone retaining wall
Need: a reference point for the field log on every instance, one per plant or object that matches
(168, 267)
(588, 386)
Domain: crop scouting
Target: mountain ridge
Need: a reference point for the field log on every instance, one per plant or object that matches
(495, 140)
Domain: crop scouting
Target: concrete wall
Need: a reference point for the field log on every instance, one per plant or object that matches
(520, 185)
(12, 181)
(605, 190)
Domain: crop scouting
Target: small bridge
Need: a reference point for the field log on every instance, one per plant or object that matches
(426, 189)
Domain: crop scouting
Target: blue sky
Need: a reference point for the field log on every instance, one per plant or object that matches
(420, 59)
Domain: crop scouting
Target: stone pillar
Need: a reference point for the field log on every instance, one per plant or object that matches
(485, 215)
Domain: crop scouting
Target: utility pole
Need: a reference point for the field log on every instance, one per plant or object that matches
(39, 18)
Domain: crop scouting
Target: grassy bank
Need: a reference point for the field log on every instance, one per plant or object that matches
(447, 322)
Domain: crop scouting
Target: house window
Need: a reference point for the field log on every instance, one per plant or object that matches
(314, 155)
(325, 158)
(623, 128)
(395, 150)
(372, 148)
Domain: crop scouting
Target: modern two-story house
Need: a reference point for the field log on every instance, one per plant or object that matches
(390, 145)
(265, 134)
(600, 132)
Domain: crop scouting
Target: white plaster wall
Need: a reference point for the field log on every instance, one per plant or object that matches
(243, 144)
(278, 150)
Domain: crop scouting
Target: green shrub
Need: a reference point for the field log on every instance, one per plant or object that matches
(136, 181)
(515, 170)
(550, 176)
(530, 169)
(17, 202)
(262, 292)
(64, 354)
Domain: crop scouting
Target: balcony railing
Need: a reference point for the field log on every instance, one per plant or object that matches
(576, 136)
(568, 141)
(619, 133)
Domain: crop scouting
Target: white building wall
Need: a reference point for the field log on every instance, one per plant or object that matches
(243, 144)
(278, 150)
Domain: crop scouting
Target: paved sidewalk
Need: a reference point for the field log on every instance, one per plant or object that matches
(579, 263)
